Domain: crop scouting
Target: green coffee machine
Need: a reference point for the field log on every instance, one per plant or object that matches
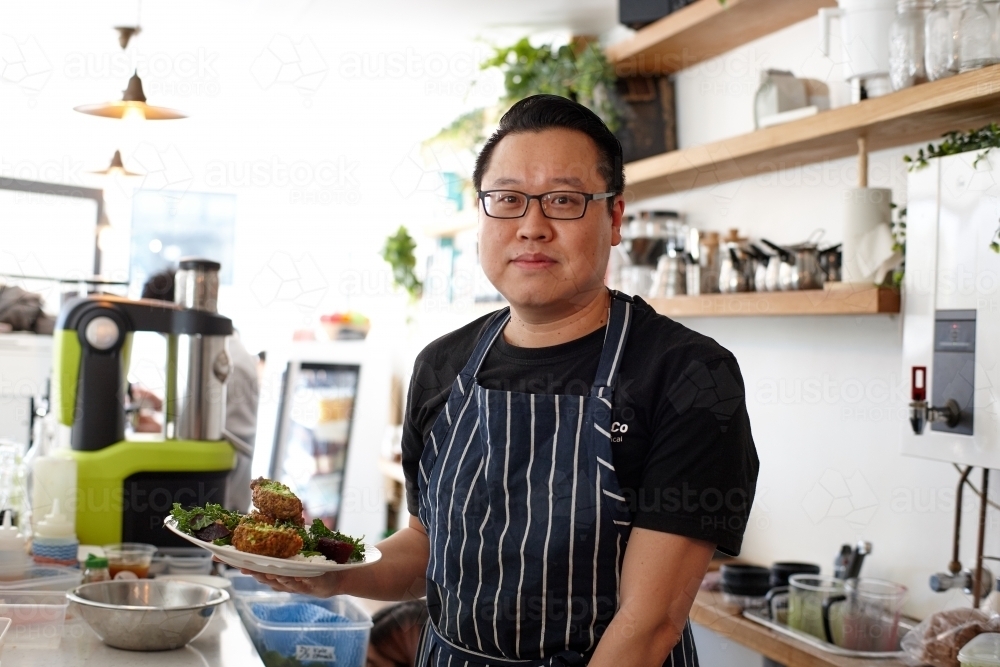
(126, 487)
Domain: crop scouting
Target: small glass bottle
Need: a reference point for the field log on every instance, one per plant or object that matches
(941, 39)
(95, 569)
(975, 37)
(906, 44)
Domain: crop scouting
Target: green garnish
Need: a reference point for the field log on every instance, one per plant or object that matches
(196, 518)
(277, 487)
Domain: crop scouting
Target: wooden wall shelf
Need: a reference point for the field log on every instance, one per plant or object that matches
(962, 102)
(835, 299)
(711, 611)
(703, 30)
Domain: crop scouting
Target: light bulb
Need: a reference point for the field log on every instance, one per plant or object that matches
(133, 114)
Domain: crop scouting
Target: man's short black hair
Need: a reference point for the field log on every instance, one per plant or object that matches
(543, 112)
(160, 286)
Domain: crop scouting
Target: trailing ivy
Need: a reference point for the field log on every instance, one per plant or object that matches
(984, 139)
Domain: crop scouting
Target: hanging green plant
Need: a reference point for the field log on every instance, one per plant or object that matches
(984, 139)
(582, 74)
(398, 252)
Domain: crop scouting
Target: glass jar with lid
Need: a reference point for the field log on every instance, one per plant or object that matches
(975, 37)
(906, 44)
(941, 39)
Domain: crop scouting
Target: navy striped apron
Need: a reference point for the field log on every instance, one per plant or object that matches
(526, 520)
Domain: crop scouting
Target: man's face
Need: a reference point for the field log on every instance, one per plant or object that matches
(538, 262)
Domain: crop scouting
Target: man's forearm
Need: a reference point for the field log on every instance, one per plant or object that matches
(631, 640)
(399, 575)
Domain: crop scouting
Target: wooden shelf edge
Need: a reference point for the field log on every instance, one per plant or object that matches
(834, 300)
(711, 612)
(908, 116)
(703, 30)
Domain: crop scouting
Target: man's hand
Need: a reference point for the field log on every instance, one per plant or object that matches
(660, 577)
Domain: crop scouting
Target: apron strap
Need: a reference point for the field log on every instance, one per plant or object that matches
(444, 647)
(493, 329)
(614, 345)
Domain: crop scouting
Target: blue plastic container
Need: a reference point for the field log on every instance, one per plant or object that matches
(316, 632)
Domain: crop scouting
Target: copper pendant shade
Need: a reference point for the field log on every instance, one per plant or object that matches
(116, 167)
(132, 105)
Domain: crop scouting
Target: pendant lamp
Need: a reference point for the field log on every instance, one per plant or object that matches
(132, 105)
(116, 167)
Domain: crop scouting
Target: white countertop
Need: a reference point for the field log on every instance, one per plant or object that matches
(80, 647)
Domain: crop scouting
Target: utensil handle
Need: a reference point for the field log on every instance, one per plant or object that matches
(769, 600)
(829, 602)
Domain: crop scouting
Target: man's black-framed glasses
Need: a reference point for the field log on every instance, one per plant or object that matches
(558, 205)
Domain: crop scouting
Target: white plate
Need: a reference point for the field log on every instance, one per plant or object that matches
(281, 566)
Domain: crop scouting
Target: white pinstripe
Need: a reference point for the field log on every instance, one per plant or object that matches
(527, 529)
(451, 507)
(613, 495)
(506, 525)
(461, 387)
(451, 448)
(461, 551)
(597, 546)
(434, 442)
(605, 433)
(486, 475)
(604, 463)
(548, 533)
(572, 522)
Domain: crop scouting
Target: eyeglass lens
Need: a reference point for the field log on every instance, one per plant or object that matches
(511, 204)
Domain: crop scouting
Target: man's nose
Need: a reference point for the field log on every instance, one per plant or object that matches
(534, 225)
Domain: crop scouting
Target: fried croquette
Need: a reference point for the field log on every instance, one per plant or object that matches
(276, 500)
(265, 540)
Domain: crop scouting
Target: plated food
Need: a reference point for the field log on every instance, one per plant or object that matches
(274, 531)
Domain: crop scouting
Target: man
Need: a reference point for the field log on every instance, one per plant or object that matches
(242, 391)
(572, 462)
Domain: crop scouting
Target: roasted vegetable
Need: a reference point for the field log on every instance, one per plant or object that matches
(277, 500)
(335, 550)
(265, 540)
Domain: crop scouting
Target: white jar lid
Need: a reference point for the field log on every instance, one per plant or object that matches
(982, 651)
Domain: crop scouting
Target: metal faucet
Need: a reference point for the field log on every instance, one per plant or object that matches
(848, 563)
(942, 581)
(921, 413)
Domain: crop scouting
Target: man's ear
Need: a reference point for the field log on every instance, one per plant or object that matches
(617, 215)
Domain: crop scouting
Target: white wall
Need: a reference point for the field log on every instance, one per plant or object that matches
(826, 395)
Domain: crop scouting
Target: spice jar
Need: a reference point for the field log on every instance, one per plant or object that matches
(906, 44)
(941, 39)
(95, 569)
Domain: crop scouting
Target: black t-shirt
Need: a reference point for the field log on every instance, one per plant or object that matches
(681, 440)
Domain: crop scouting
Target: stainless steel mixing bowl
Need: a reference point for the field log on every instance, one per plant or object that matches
(145, 614)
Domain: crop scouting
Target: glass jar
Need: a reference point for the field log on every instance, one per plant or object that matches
(941, 39)
(906, 44)
(993, 9)
(975, 37)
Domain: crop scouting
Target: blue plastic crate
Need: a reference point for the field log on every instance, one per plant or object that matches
(316, 632)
